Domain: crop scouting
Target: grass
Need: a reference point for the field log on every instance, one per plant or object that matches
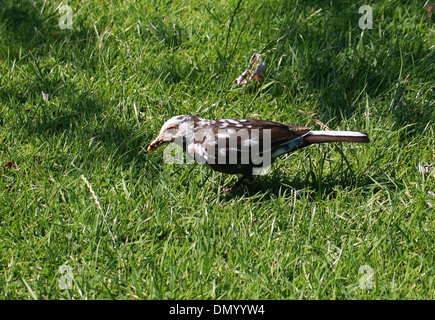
(80, 189)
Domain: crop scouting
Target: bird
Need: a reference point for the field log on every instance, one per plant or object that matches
(242, 146)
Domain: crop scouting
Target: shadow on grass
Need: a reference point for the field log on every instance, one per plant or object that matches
(314, 183)
(22, 26)
(72, 107)
(324, 186)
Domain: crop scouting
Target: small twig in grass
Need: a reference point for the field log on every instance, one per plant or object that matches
(272, 266)
(406, 79)
(324, 126)
(94, 196)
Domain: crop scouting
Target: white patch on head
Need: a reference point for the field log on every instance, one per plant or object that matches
(174, 121)
(174, 127)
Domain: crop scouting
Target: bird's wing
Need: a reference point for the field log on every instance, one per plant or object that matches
(244, 138)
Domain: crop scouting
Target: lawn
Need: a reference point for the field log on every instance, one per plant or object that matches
(87, 213)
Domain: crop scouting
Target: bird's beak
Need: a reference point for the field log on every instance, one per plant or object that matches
(155, 144)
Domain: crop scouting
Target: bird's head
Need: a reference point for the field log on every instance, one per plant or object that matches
(178, 127)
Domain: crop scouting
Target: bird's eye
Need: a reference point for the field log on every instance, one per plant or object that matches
(171, 127)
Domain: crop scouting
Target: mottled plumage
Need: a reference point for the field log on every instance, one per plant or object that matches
(241, 146)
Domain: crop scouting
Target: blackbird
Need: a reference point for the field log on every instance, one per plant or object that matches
(242, 146)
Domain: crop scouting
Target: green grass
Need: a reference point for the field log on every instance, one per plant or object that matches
(86, 194)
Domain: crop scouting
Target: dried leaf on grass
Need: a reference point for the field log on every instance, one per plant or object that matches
(255, 70)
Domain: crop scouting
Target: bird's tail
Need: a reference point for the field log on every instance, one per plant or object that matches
(335, 136)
